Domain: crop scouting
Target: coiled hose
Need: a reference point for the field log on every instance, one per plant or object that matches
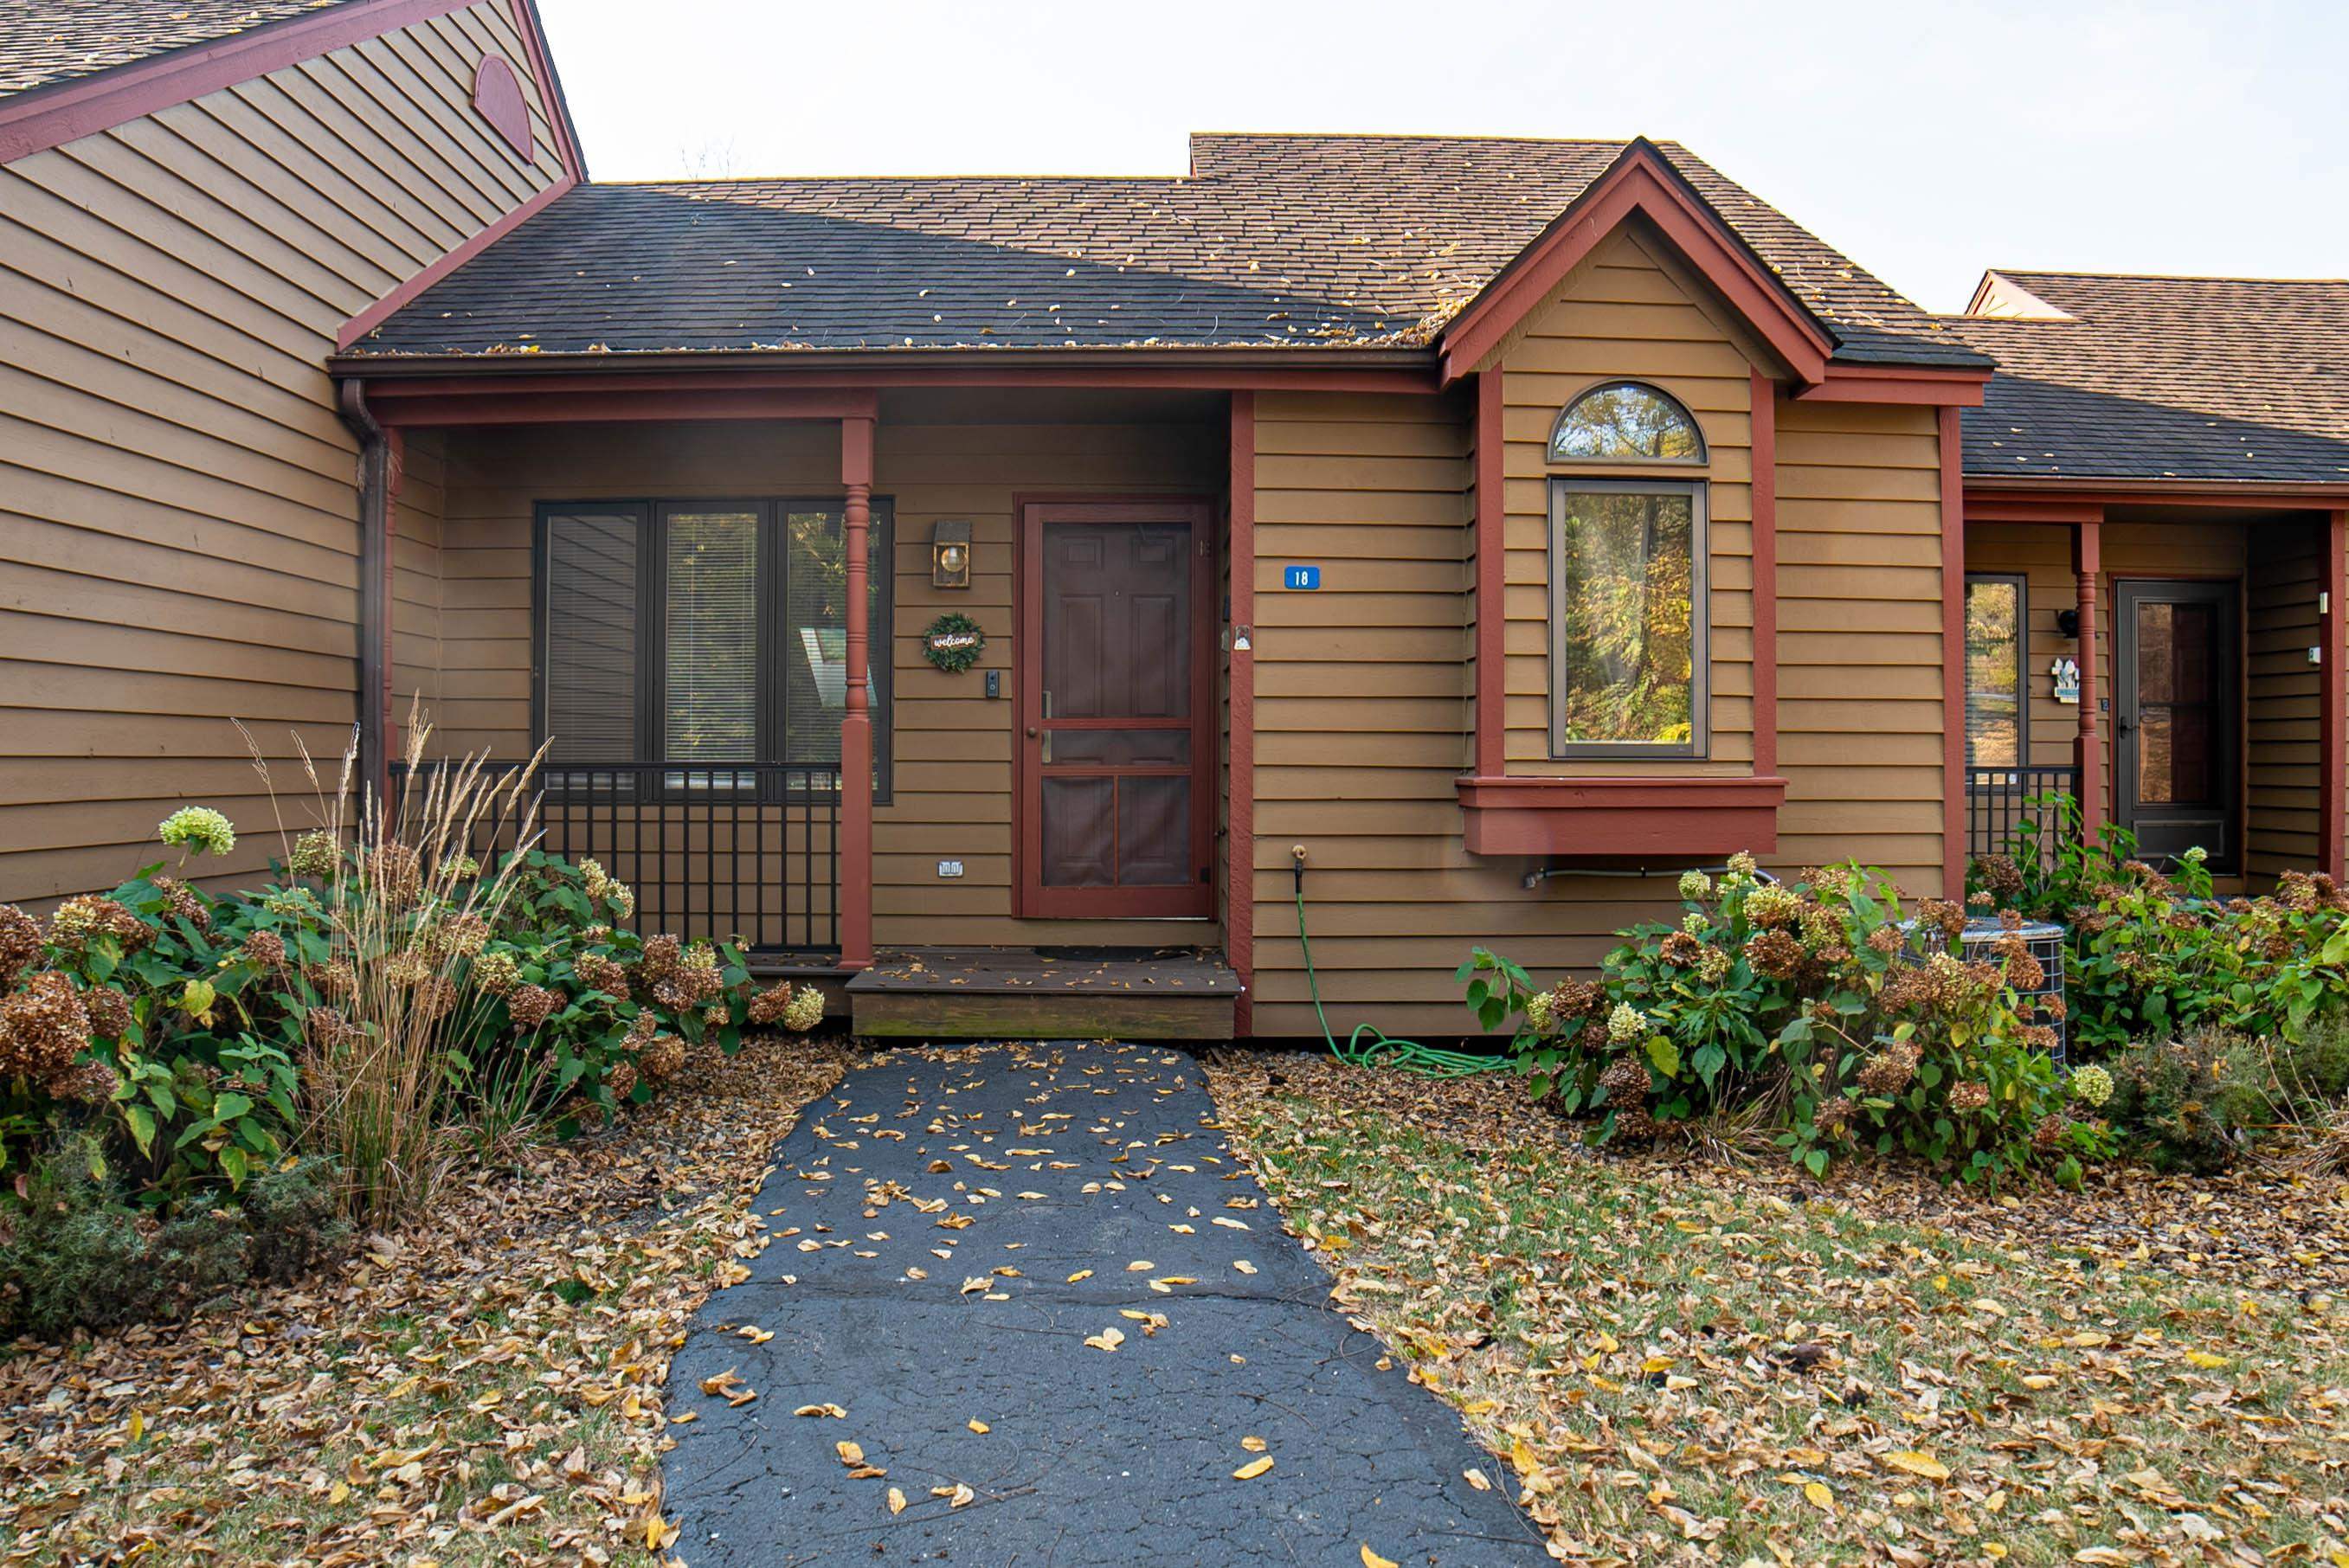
(1366, 1047)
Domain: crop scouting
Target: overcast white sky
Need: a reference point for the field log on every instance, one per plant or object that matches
(1925, 140)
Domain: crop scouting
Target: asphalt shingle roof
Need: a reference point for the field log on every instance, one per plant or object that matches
(1325, 241)
(46, 42)
(2166, 378)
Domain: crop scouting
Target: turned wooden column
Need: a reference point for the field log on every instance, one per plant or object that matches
(856, 892)
(2088, 746)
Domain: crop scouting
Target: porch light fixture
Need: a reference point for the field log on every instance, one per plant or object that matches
(950, 555)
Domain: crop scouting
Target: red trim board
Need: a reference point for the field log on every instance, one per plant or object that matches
(1642, 182)
(1953, 655)
(1598, 818)
(2333, 685)
(1492, 558)
(1765, 458)
(1239, 809)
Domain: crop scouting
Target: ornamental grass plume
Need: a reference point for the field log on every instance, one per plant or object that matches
(379, 1080)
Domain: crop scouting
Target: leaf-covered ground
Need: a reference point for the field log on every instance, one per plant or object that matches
(1687, 1358)
(486, 1388)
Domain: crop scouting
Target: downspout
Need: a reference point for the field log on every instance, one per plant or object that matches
(378, 487)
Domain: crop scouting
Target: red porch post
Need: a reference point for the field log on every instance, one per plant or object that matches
(2088, 745)
(2333, 689)
(1953, 654)
(1492, 580)
(856, 891)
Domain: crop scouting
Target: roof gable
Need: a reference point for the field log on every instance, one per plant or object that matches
(78, 66)
(1639, 183)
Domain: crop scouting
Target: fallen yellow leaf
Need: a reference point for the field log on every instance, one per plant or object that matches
(1107, 1339)
(1253, 1468)
(1820, 1496)
(896, 1500)
(850, 1453)
(1915, 1463)
(1253, 1444)
(982, 1428)
(1372, 1560)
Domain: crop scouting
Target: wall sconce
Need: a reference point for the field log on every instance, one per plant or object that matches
(950, 555)
(2067, 622)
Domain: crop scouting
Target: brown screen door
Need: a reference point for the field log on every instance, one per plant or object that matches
(1115, 735)
(2178, 716)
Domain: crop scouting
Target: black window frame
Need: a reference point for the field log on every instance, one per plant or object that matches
(649, 723)
(2022, 585)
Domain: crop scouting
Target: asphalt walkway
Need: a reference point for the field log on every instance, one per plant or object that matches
(1059, 1321)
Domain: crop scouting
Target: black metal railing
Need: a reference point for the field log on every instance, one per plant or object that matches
(747, 850)
(1997, 799)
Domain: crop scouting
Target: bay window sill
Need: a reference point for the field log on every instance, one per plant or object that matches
(1620, 816)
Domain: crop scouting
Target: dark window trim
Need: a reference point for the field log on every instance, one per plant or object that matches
(2022, 668)
(652, 608)
(1699, 745)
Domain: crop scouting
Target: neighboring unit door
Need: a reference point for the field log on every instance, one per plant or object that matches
(2178, 722)
(1116, 713)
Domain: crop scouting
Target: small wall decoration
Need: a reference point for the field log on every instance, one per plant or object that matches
(952, 643)
(497, 97)
(2066, 673)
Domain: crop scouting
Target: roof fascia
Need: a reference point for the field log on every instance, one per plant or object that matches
(1640, 180)
(1953, 386)
(2274, 494)
(51, 116)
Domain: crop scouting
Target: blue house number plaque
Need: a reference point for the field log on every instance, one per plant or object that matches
(1300, 577)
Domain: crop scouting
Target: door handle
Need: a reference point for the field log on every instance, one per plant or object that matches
(1033, 732)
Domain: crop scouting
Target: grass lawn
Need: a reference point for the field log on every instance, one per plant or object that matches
(1684, 1358)
(486, 1388)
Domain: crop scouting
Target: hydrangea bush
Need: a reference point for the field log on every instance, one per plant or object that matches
(1819, 1007)
(2156, 953)
(181, 1025)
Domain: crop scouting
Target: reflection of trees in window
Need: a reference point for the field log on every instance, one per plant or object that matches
(1995, 716)
(1627, 644)
(1624, 422)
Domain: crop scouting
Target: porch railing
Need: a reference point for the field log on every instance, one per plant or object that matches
(1997, 799)
(746, 850)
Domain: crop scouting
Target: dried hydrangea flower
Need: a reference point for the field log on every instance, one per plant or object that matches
(530, 1007)
(769, 1006)
(806, 1010)
(1714, 967)
(1626, 1022)
(317, 854)
(91, 915)
(43, 1028)
(265, 948)
(661, 1058)
(1772, 905)
(465, 934)
(182, 901)
(198, 830)
(1969, 1096)
(1695, 884)
(1743, 863)
(395, 871)
(295, 904)
(20, 942)
(110, 1014)
(1695, 923)
(621, 1080)
(497, 973)
(599, 973)
(85, 1083)
(1541, 1013)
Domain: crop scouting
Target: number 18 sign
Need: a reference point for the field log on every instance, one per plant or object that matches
(1300, 577)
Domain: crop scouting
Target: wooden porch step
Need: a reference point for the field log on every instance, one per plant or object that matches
(951, 994)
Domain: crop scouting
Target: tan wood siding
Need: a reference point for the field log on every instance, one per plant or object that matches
(2284, 571)
(952, 746)
(178, 534)
(1627, 313)
(1860, 707)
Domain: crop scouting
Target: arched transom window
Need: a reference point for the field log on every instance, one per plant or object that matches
(1626, 422)
(1628, 618)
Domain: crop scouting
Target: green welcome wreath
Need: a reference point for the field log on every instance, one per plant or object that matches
(952, 643)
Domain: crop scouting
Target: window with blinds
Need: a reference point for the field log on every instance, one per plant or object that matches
(1997, 715)
(703, 635)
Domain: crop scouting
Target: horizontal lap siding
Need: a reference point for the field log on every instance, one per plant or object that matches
(952, 746)
(1623, 314)
(178, 534)
(2285, 574)
(1860, 707)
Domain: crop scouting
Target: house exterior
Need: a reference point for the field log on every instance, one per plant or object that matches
(1031, 569)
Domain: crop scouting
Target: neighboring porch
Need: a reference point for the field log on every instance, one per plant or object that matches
(2207, 710)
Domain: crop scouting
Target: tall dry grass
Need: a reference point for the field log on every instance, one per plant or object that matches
(403, 913)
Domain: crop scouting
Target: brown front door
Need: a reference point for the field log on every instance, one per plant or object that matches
(2178, 716)
(1115, 723)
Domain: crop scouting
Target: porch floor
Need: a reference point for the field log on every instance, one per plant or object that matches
(1047, 992)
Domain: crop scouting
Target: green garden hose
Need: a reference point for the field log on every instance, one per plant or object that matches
(1366, 1047)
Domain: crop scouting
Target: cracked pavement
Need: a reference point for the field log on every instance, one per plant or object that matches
(948, 1229)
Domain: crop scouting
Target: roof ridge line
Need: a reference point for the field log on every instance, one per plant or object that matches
(2158, 277)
